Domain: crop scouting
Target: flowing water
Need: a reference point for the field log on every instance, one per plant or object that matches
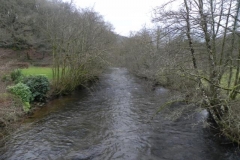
(114, 122)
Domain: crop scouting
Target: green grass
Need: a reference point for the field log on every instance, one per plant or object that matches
(47, 71)
(224, 80)
(225, 77)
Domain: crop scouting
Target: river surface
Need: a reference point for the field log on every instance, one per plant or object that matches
(113, 121)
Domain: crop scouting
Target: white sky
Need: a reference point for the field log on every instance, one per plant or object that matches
(124, 15)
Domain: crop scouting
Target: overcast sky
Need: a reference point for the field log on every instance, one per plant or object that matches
(124, 15)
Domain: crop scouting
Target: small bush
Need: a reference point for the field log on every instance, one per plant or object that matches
(16, 75)
(39, 86)
(21, 90)
(6, 78)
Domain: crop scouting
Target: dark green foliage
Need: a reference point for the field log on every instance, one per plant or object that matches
(39, 86)
(22, 91)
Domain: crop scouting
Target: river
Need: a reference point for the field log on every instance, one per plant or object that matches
(112, 120)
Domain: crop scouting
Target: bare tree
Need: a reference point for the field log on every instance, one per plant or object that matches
(79, 40)
(213, 23)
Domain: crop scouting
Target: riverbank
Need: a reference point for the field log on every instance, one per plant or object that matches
(14, 115)
(63, 80)
(114, 122)
(227, 128)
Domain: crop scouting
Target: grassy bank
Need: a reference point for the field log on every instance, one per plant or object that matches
(47, 71)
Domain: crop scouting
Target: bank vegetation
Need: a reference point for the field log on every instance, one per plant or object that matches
(72, 41)
(194, 48)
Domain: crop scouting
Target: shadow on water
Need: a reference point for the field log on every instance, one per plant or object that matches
(112, 122)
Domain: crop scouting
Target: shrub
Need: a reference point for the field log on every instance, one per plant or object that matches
(39, 86)
(16, 75)
(21, 90)
(6, 78)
